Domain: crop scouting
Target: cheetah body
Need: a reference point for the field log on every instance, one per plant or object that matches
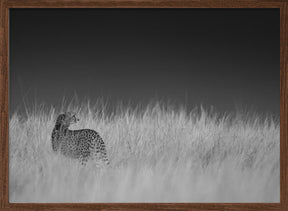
(82, 144)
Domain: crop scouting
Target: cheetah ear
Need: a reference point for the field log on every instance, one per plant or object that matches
(60, 119)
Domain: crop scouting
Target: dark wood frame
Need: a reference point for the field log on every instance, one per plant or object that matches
(4, 58)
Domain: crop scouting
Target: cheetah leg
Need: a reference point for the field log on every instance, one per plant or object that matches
(84, 159)
(103, 155)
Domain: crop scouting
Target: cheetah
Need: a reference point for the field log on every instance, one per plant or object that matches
(82, 144)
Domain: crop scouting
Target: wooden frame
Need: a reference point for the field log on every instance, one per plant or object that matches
(4, 49)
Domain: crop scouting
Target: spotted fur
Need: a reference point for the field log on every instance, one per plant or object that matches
(82, 144)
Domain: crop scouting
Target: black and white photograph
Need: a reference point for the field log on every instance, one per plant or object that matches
(144, 105)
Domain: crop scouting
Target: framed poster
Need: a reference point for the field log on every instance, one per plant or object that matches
(143, 105)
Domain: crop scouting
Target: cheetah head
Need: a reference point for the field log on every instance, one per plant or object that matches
(66, 119)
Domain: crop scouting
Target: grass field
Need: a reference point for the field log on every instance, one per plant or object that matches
(157, 154)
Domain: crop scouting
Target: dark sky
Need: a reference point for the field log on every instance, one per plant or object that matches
(214, 57)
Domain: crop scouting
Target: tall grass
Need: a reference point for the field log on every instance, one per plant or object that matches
(157, 154)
